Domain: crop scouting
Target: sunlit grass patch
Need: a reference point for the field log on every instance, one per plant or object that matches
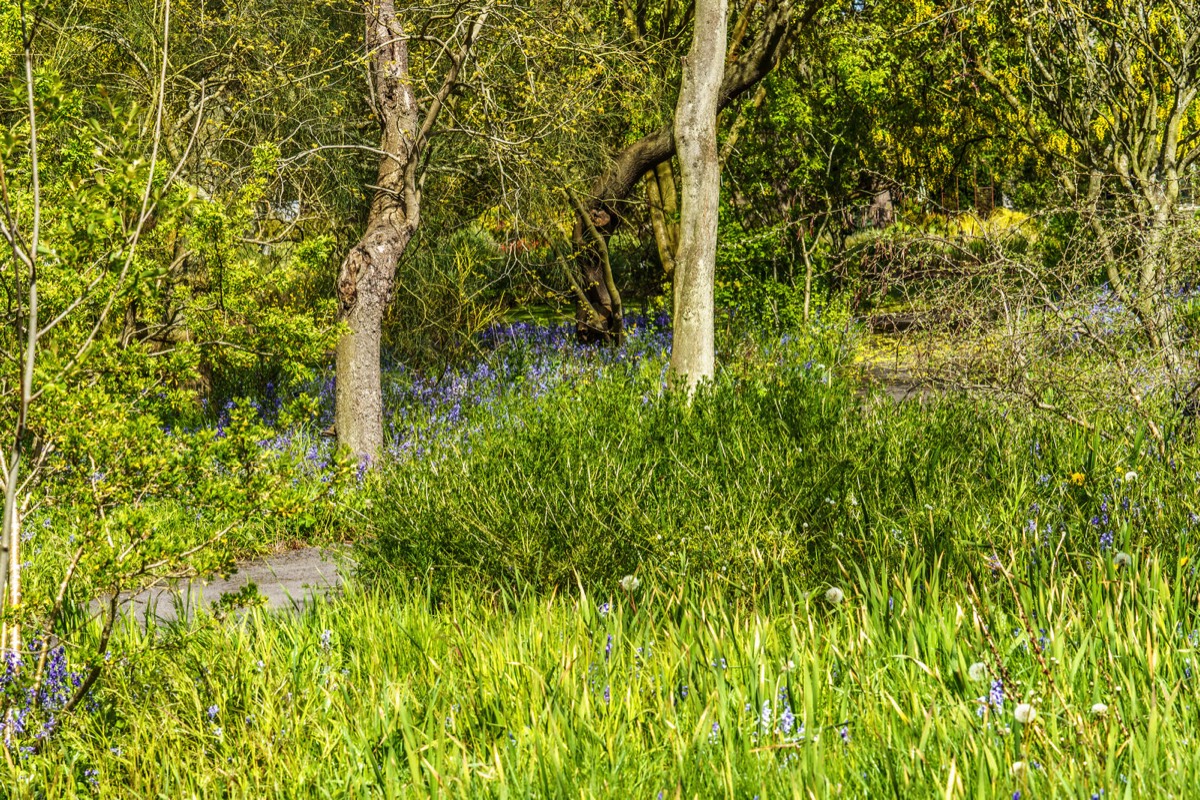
(1031, 679)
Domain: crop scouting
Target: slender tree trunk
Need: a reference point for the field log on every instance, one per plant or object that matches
(26, 323)
(808, 276)
(693, 350)
(366, 278)
(610, 190)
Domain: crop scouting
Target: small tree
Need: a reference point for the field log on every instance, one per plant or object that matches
(693, 350)
(365, 281)
(599, 215)
(1107, 92)
(79, 318)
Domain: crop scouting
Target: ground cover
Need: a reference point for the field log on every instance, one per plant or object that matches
(810, 590)
(835, 595)
(1028, 679)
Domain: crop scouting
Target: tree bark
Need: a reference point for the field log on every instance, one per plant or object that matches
(660, 197)
(364, 284)
(693, 356)
(612, 188)
(366, 277)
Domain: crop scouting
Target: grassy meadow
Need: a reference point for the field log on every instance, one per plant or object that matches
(905, 682)
(571, 583)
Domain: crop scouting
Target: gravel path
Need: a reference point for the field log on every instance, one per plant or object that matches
(287, 580)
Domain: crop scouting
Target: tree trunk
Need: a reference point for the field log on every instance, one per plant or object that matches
(611, 189)
(365, 280)
(364, 290)
(693, 350)
(366, 277)
(601, 318)
(660, 197)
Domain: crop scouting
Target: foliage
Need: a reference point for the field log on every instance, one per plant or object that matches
(876, 97)
(780, 462)
(448, 293)
(677, 686)
(183, 381)
(137, 465)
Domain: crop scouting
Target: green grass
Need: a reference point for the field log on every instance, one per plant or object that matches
(470, 657)
(785, 465)
(494, 696)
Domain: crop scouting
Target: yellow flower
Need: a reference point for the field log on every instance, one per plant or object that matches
(1077, 478)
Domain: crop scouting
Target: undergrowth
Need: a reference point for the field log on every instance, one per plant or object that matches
(893, 681)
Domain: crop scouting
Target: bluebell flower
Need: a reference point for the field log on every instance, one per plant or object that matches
(787, 720)
(994, 698)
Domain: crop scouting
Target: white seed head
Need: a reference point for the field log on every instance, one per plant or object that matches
(1130, 476)
(834, 595)
(630, 583)
(1122, 560)
(977, 671)
(1018, 769)
(1100, 710)
(1025, 713)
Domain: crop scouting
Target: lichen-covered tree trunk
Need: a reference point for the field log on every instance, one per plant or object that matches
(693, 350)
(364, 290)
(367, 274)
(365, 280)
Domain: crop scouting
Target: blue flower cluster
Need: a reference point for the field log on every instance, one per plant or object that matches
(994, 699)
(30, 712)
(423, 410)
